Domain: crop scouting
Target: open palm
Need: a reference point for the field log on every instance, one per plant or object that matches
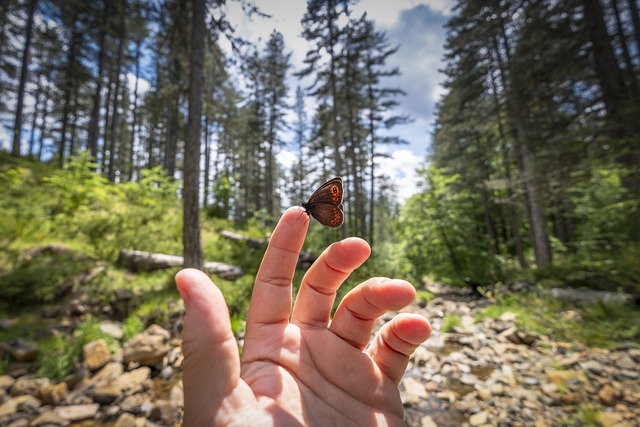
(298, 367)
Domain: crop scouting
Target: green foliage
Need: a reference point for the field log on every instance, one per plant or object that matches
(49, 276)
(133, 325)
(605, 212)
(603, 254)
(217, 248)
(615, 270)
(78, 206)
(388, 259)
(585, 416)
(424, 296)
(222, 195)
(596, 324)
(450, 322)
(237, 294)
(237, 323)
(440, 234)
(58, 355)
(25, 327)
(159, 306)
(115, 279)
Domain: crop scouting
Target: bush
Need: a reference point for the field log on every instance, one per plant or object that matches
(47, 277)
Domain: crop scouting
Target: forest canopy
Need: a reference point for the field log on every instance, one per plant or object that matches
(533, 167)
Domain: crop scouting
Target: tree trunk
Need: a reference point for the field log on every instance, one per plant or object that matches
(516, 110)
(94, 122)
(635, 18)
(134, 113)
(538, 223)
(173, 101)
(171, 135)
(34, 119)
(269, 192)
(632, 80)
(69, 85)
(615, 97)
(43, 124)
(24, 74)
(372, 189)
(191, 191)
(206, 182)
(113, 136)
(334, 107)
(514, 221)
(485, 197)
(74, 122)
(107, 120)
(607, 68)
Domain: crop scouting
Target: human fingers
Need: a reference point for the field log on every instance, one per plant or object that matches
(396, 341)
(271, 297)
(211, 366)
(319, 284)
(357, 313)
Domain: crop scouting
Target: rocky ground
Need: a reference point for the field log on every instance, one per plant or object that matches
(491, 374)
(483, 374)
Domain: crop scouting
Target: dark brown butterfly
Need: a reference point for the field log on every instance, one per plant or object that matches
(325, 204)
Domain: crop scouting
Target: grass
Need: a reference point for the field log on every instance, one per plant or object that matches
(450, 322)
(598, 324)
(59, 354)
(46, 278)
(586, 416)
(424, 296)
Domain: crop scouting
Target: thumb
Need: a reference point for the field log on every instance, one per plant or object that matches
(211, 366)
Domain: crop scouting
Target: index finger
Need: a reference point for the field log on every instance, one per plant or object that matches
(271, 298)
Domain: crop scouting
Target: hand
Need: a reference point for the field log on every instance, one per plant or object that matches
(297, 366)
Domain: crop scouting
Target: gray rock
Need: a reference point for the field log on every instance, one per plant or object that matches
(148, 348)
(28, 385)
(74, 413)
(48, 418)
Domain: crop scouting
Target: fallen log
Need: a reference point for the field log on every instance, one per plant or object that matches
(304, 260)
(148, 261)
(250, 241)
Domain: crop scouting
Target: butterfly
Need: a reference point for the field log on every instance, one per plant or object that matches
(325, 204)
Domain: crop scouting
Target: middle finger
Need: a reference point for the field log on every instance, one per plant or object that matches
(320, 283)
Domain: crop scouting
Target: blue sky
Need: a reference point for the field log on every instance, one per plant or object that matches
(416, 26)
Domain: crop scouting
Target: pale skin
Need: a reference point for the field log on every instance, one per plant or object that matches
(298, 366)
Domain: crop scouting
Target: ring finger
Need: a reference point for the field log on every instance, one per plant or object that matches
(357, 313)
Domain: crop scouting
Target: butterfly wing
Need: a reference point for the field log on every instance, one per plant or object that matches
(328, 214)
(325, 204)
(330, 192)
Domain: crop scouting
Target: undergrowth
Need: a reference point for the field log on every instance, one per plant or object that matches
(596, 324)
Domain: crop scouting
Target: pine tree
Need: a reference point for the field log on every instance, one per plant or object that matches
(276, 65)
(32, 6)
(191, 190)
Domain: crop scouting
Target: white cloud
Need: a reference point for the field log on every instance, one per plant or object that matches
(386, 13)
(285, 18)
(420, 34)
(417, 26)
(401, 166)
(5, 139)
(143, 85)
(286, 158)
